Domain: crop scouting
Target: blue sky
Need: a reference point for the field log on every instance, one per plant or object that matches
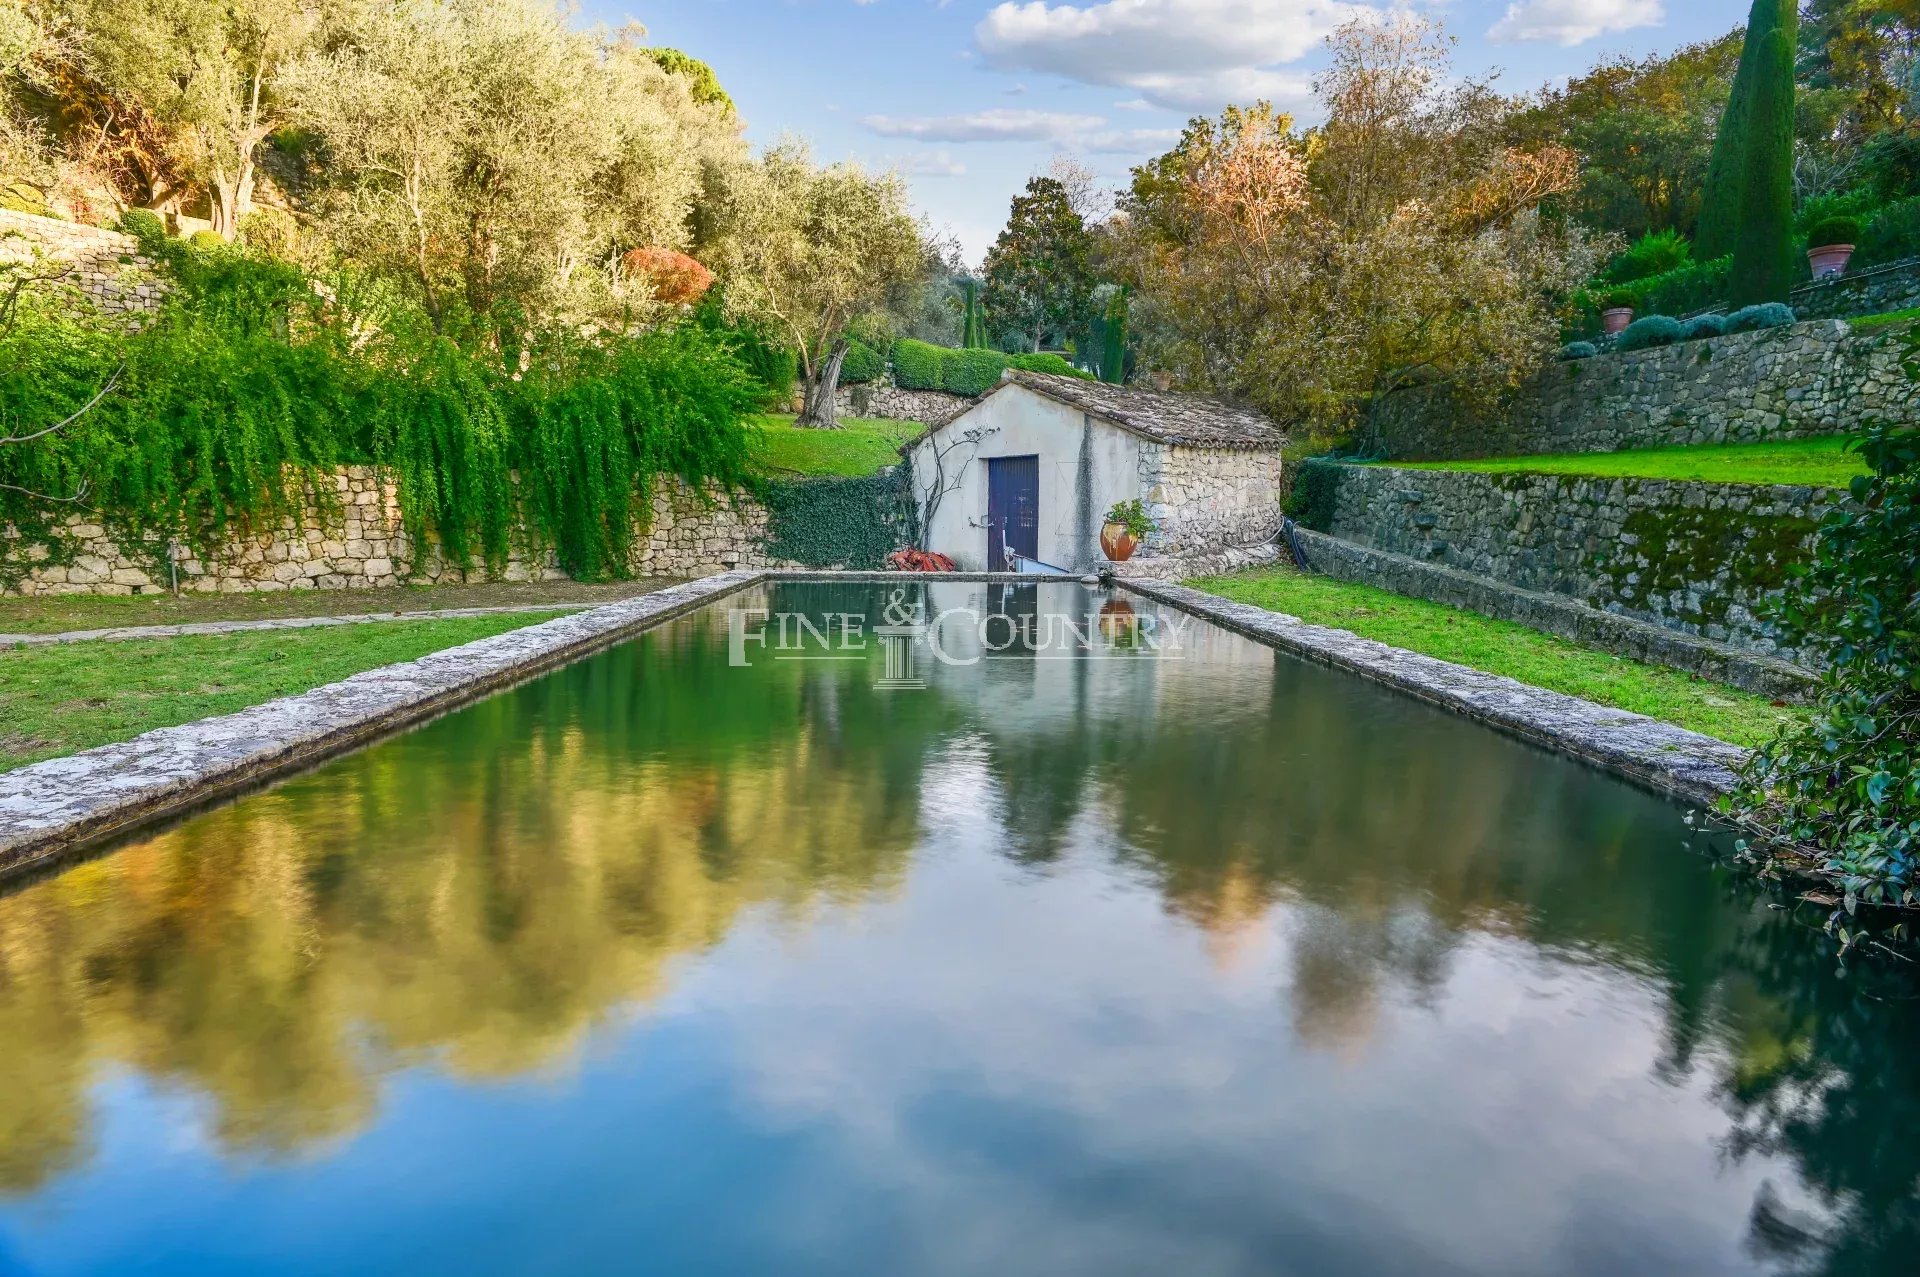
(968, 98)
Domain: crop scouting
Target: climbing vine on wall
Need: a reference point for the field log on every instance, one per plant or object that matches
(834, 521)
(230, 411)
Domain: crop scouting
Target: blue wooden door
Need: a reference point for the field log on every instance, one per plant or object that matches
(1013, 510)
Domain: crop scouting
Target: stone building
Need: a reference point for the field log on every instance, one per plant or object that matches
(1032, 467)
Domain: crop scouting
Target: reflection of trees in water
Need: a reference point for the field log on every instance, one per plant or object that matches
(483, 891)
(1392, 833)
(486, 890)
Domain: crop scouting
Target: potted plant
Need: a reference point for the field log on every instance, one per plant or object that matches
(1616, 310)
(1128, 524)
(1830, 244)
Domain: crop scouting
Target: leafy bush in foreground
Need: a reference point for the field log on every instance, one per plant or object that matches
(1841, 794)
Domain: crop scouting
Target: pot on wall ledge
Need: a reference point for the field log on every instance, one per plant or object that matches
(1117, 543)
(1614, 321)
(1829, 261)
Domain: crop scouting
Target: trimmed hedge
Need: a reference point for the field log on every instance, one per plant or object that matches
(1649, 332)
(1765, 315)
(917, 365)
(862, 364)
(841, 521)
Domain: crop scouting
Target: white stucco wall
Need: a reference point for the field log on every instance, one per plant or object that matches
(1016, 422)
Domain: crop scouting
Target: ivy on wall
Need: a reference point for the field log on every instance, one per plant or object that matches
(839, 521)
(1316, 493)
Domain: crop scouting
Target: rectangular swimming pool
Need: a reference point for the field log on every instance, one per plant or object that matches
(950, 929)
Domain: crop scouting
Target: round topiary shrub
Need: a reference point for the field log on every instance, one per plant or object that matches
(207, 241)
(1751, 319)
(862, 364)
(144, 225)
(973, 372)
(1648, 332)
(1705, 326)
(1579, 350)
(1839, 229)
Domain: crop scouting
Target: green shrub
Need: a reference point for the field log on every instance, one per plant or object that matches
(208, 241)
(144, 225)
(1750, 319)
(841, 521)
(1840, 795)
(1579, 350)
(231, 411)
(1654, 253)
(1648, 332)
(918, 365)
(1838, 229)
(1860, 204)
(972, 372)
(1316, 493)
(1891, 235)
(862, 364)
(1047, 362)
(1695, 286)
(1617, 299)
(1704, 326)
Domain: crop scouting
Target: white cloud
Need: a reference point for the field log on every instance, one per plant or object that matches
(1130, 141)
(1569, 22)
(939, 163)
(1185, 54)
(1002, 124)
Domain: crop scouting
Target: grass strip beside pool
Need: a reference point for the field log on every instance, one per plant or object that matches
(1822, 462)
(60, 700)
(861, 446)
(1509, 649)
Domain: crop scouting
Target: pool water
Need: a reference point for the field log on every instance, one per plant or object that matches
(1142, 951)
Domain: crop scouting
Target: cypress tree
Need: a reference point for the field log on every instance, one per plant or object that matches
(1723, 195)
(1764, 269)
(1113, 353)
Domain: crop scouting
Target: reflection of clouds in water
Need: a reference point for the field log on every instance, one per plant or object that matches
(1219, 1136)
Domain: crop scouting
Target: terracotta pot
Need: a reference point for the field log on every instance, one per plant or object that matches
(1829, 260)
(1117, 543)
(1614, 322)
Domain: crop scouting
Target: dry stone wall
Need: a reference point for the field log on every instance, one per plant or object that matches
(356, 541)
(883, 399)
(1875, 291)
(1782, 383)
(1214, 509)
(106, 266)
(1699, 558)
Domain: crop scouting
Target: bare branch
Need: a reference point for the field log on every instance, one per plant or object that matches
(82, 411)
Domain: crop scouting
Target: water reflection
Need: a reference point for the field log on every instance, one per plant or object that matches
(1377, 943)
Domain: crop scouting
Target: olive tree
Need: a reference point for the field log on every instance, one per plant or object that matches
(808, 250)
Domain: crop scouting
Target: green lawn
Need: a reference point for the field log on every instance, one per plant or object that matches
(1886, 320)
(862, 445)
(1503, 647)
(1822, 462)
(56, 700)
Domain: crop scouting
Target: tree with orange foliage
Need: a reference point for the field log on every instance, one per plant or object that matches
(677, 280)
(1313, 272)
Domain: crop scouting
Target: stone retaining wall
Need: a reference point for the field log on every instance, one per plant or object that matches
(1556, 614)
(106, 266)
(1782, 383)
(1875, 291)
(884, 399)
(360, 543)
(1214, 510)
(1700, 558)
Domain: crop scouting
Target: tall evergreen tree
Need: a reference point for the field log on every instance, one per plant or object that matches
(1763, 266)
(1723, 196)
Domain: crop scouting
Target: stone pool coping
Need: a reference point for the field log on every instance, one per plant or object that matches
(64, 805)
(1659, 756)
